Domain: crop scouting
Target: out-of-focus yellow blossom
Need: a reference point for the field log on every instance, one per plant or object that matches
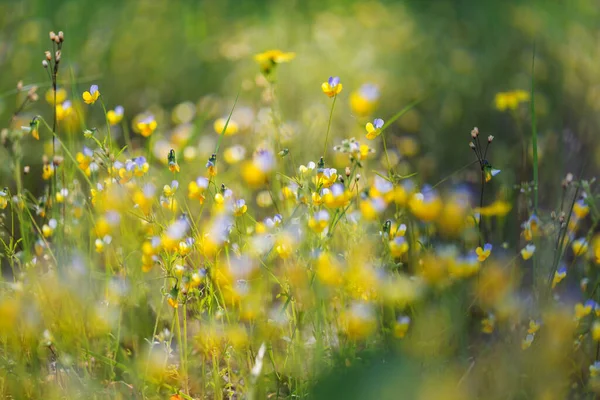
(48, 229)
(231, 129)
(595, 330)
(329, 270)
(145, 126)
(583, 310)
(332, 87)
(526, 343)
(358, 321)
(534, 326)
(483, 253)
(398, 246)
(257, 171)
(488, 324)
(144, 198)
(271, 58)
(408, 146)
(425, 205)
(531, 228)
(63, 110)
(579, 246)
(92, 95)
(401, 326)
(196, 189)
(498, 208)
(47, 171)
(61, 96)
(527, 251)
(319, 221)
(595, 369)
(364, 100)
(115, 116)
(3, 199)
(510, 100)
(234, 154)
(239, 207)
(336, 196)
(463, 267)
(374, 128)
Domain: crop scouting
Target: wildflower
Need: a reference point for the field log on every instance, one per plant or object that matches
(173, 166)
(48, 229)
(61, 195)
(559, 275)
(61, 96)
(196, 189)
(146, 126)
(174, 233)
(234, 154)
(319, 221)
(99, 244)
(63, 110)
(531, 228)
(256, 172)
(398, 246)
(304, 169)
(144, 198)
(85, 160)
(211, 165)
(271, 58)
(336, 196)
(91, 96)
(358, 321)
(527, 251)
(595, 369)
(115, 116)
(498, 208)
(239, 207)
(223, 127)
(33, 128)
(483, 253)
(579, 246)
(364, 100)
(172, 297)
(534, 326)
(510, 100)
(3, 200)
(526, 343)
(488, 324)
(489, 172)
(583, 310)
(401, 326)
(47, 171)
(169, 190)
(332, 87)
(326, 177)
(374, 128)
(425, 205)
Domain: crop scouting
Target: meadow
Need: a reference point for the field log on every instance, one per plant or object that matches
(381, 200)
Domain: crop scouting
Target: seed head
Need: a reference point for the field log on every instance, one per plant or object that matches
(44, 63)
(472, 145)
(490, 139)
(61, 36)
(475, 132)
(52, 35)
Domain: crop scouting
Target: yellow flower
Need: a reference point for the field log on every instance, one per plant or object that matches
(580, 247)
(196, 189)
(483, 253)
(559, 275)
(398, 246)
(401, 326)
(47, 171)
(61, 96)
(326, 177)
(91, 96)
(269, 59)
(3, 200)
(534, 326)
(319, 221)
(526, 343)
(364, 100)
(527, 251)
(488, 324)
(332, 87)
(239, 208)
(374, 128)
(583, 310)
(146, 126)
(232, 127)
(425, 205)
(48, 229)
(63, 110)
(115, 116)
(498, 208)
(510, 100)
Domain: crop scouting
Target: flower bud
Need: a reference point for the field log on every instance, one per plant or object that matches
(475, 132)
(490, 139)
(57, 56)
(20, 85)
(45, 64)
(61, 36)
(472, 145)
(52, 35)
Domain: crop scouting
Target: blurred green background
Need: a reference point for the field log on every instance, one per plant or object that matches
(457, 53)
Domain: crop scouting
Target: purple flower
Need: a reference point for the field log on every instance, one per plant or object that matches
(369, 92)
(378, 123)
(93, 89)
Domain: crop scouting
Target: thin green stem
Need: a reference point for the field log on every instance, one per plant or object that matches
(329, 126)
